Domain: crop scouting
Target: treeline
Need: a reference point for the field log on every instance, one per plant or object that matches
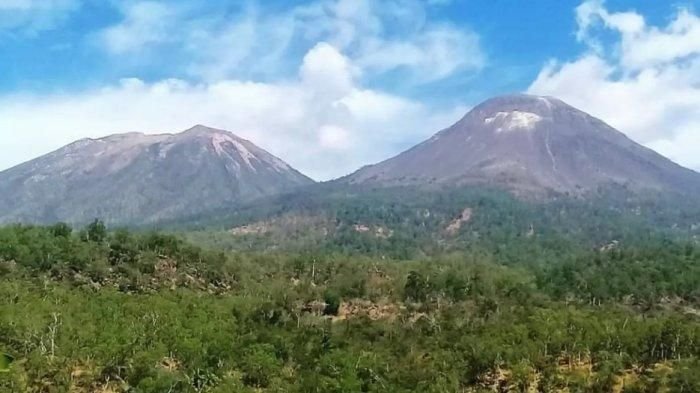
(659, 270)
(98, 256)
(89, 310)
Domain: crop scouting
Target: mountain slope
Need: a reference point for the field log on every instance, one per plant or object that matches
(531, 145)
(135, 178)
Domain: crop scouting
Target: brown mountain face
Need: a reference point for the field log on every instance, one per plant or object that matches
(136, 178)
(531, 145)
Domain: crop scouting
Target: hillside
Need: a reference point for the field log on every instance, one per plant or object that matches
(137, 178)
(408, 222)
(126, 312)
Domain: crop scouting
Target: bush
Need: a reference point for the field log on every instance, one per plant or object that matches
(332, 301)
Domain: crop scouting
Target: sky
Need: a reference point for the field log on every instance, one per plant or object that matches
(332, 85)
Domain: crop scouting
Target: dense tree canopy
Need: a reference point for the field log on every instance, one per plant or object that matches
(85, 310)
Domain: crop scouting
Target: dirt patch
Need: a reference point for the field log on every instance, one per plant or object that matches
(83, 381)
(498, 380)
(456, 224)
(169, 364)
(613, 245)
(256, 228)
(377, 231)
(383, 233)
(359, 228)
(365, 308)
(286, 224)
(165, 268)
(581, 364)
(315, 307)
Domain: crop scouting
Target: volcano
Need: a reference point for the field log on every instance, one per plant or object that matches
(531, 145)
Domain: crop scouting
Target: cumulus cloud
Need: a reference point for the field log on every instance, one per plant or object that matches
(323, 121)
(641, 46)
(645, 83)
(334, 137)
(33, 16)
(380, 37)
(327, 72)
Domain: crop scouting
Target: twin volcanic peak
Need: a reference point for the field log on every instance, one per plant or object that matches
(531, 145)
(526, 144)
(138, 178)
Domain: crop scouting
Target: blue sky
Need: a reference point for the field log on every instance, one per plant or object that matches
(330, 85)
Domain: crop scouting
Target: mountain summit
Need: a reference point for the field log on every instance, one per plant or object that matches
(138, 178)
(531, 144)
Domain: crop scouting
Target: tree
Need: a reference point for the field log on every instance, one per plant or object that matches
(96, 231)
(416, 287)
(61, 229)
(332, 301)
(259, 365)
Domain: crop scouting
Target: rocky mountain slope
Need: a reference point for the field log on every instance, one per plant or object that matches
(136, 178)
(531, 145)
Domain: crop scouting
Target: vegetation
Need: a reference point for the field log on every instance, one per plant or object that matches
(119, 311)
(409, 223)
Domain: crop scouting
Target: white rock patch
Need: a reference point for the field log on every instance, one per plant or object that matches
(498, 116)
(515, 120)
(546, 101)
(218, 140)
(279, 165)
(245, 153)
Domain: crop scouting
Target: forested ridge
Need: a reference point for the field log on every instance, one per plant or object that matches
(98, 310)
(410, 223)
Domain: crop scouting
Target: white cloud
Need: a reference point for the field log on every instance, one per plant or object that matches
(308, 120)
(436, 54)
(380, 37)
(641, 45)
(646, 84)
(395, 35)
(334, 137)
(327, 72)
(33, 16)
(321, 118)
(144, 23)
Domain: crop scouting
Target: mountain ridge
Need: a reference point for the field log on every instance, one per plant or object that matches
(137, 177)
(527, 145)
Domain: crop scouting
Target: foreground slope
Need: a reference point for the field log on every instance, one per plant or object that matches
(531, 145)
(136, 178)
(128, 312)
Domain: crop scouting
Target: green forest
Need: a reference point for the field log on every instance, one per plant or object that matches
(105, 310)
(409, 223)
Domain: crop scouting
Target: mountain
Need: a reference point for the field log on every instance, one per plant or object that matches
(531, 145)
(136, 178)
